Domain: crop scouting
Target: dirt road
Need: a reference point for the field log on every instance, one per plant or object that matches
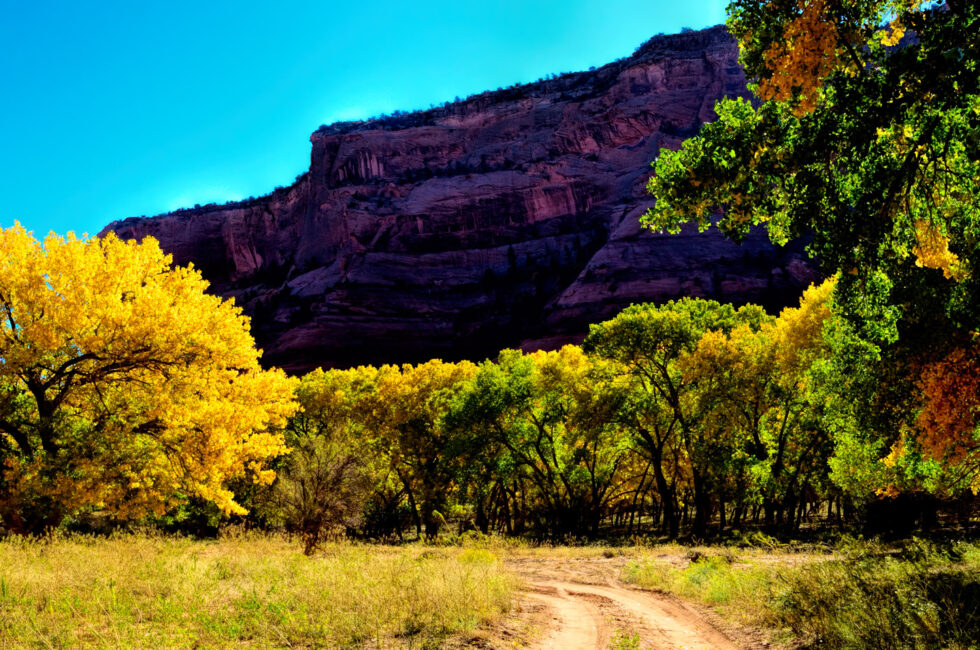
(581, 604)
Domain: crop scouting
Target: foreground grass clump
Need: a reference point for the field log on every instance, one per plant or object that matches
(920, 598)
(710, 579)
(861, 596)
(255, 591)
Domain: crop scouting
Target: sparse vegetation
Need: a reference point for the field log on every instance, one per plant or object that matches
(621, 641)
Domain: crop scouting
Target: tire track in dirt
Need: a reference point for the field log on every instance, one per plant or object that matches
(576, 623)
(663, 623)
(587, 607)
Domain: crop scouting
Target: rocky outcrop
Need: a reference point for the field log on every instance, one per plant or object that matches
(509, 218)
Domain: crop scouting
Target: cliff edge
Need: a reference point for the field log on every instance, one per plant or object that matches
(506, 219)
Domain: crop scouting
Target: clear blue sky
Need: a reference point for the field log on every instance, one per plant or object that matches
(116, 109)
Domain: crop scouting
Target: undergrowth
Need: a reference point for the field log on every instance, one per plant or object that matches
(861, 595)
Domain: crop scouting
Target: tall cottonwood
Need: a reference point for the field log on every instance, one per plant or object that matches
(123, 385)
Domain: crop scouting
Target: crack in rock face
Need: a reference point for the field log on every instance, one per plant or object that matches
(507, 219)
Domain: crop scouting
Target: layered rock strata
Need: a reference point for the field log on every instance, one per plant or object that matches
(506, 219)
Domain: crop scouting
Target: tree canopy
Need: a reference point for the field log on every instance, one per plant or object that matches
(866, 140)
(123, 385)
(671, 416)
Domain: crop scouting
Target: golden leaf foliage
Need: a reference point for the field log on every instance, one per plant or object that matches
(406, 412)
(418, 393)
(798, 332)
(806, 55)
(818, 40)
(123, 385)
(784, 347)
(331, 399)
(895, 34)
(931, 251)
(391, 415)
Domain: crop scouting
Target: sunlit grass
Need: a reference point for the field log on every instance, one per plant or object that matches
(146, 591)
(861, 595)
(712, 580)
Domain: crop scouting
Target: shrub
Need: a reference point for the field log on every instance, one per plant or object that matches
(923, 598)
(321, 491)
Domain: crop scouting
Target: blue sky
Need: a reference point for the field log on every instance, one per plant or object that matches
(116, 109)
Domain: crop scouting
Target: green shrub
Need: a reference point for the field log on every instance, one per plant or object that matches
(713, 580)
(866, 596)
(923, 598)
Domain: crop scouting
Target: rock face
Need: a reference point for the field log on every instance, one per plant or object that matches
(506, 219)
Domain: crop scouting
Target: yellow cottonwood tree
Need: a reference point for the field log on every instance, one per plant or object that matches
(754, 388)
(411, 401)
(123, 386)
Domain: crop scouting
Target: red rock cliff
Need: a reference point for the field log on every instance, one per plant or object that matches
(506, 219)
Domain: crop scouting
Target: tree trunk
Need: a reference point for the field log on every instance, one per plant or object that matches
(482, 522)
(668, 500)
(702, 505)
(770, 513)
(37, 518)
(415, 511)
(432, 523)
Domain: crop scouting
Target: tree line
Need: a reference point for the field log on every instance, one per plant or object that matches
(680, 418)
(127, 393)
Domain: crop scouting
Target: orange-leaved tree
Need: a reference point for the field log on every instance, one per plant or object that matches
(948, 422)
(124, 387)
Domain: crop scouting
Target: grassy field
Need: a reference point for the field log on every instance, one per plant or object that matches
(146, 591)
(261, 591)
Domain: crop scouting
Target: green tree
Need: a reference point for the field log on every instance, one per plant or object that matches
(872, 150)
(653, 343)
(867, 141)
(550, 420)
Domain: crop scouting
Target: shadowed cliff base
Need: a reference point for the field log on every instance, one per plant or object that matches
(507, 219)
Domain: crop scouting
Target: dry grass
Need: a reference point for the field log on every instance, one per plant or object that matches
(255, 591)
(260, 591)
(861, 595)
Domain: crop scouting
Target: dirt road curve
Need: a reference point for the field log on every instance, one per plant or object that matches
(656, 620)
(577, 623)
(586, 607)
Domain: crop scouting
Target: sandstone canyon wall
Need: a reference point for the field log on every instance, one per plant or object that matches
(506, 219)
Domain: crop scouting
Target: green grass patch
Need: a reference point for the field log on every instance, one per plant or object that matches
(712, 580)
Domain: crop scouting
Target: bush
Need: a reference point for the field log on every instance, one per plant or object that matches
(321, 491)
(923, 598)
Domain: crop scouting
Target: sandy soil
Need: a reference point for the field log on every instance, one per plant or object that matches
(579, 602)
